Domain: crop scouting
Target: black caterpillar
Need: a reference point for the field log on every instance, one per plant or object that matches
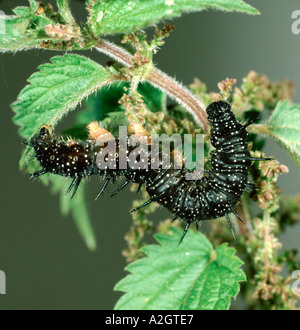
(215, 195)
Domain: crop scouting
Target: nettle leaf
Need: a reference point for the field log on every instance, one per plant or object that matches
(40, 26)
(53, 91)
(122, 16)
(192, 276)
(15, 37)
(24, 30)
(284, 126)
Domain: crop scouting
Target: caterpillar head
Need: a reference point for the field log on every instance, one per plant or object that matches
(44, 134)
(217, 109)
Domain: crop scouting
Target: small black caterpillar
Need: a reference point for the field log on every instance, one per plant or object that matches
(215, 195)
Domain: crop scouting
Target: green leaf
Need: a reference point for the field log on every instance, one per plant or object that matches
(25, 30)
(123, 16)
(192, 276)
(284, 126)
(39, 26)
(55, 89)
(16, 36)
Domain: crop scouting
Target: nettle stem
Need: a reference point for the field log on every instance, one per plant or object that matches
(159, 79)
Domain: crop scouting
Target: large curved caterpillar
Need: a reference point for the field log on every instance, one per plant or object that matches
(215, 195)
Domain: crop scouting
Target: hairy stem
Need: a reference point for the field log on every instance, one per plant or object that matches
(159, 79)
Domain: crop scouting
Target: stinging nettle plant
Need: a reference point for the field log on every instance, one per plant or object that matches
(204, 272)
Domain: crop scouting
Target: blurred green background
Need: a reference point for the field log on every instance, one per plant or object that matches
(46, 263)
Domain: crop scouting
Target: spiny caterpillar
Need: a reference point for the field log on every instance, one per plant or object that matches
(214, 195)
